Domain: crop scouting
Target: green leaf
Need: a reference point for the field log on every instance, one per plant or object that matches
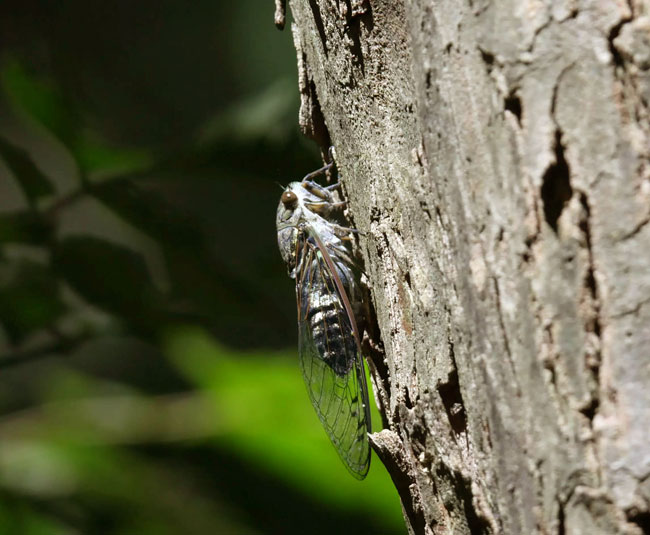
(32, 181)
(40, 99)
(29, 298)
(95, 154)
(266, 418)
(16, 517)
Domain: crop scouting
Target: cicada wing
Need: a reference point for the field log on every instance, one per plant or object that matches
(331, 364)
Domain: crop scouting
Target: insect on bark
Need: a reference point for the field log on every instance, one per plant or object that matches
(318, 256)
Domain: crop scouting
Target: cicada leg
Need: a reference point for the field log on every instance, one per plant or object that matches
(308, 177)
(325, 207)
(343, 232)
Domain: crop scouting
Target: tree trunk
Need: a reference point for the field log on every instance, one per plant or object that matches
(495, 156)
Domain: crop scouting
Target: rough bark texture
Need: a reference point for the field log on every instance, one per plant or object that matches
(496, 159)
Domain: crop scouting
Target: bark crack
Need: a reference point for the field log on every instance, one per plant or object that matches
(463, 496)
(561, 518)
(592, 321)
(556, 185)
(613, 34)
(556, 190)
(634, 310)
(637, 228)
(512, 103)
(641, 519)
(452, 397)
(320, 27)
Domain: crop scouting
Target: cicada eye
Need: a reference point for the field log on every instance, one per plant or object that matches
(289, 199)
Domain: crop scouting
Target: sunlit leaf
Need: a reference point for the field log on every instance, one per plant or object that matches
(94, 154)
(266, 417)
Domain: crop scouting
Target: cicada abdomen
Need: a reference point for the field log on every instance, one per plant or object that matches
(315, 248)
(322, 311)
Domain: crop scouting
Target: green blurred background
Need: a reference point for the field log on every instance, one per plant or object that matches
(149, 375)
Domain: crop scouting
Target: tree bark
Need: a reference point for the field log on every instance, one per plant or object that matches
(496, 160)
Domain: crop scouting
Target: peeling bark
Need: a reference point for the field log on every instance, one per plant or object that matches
(496, 159)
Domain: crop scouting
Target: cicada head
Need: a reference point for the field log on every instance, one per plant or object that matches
(301, 203)
(289, 216)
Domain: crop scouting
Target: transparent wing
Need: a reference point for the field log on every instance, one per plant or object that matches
(331, 363)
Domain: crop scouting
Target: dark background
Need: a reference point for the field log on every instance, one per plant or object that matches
(149, 377)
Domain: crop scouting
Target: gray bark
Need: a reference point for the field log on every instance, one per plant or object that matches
(496, 159)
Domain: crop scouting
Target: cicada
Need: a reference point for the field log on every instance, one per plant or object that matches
(316, 249)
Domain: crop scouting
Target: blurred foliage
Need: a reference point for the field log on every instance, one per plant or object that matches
(147, 325)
